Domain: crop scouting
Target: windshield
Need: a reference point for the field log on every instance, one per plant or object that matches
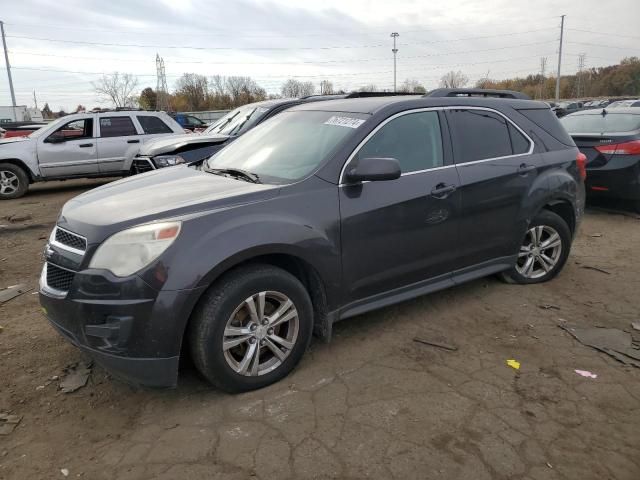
(289, 146)
(610, 123)
(238, 121)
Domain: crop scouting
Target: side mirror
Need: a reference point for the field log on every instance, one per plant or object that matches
(55, 139)
(373, 170)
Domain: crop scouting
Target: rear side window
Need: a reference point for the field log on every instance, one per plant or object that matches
(153, 125)
(519, 143)
(480, 135)
(547, 121)
(116, 127)
(598, 123)
(413, 139)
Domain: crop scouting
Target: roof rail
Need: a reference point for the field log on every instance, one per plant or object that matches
(476, 92)
(378, 94)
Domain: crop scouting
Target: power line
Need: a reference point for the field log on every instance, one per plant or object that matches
(607, 33)
(186, 47)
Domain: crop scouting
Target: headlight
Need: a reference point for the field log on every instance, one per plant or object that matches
(168, 160)
(130, 250)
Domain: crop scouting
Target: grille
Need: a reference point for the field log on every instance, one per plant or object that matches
(59, 278)
(142, 165)
(70, 239)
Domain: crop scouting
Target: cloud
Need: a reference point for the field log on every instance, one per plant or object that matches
(345, 41)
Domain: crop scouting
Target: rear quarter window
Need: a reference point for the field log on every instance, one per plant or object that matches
(153, 125)
(547, 121)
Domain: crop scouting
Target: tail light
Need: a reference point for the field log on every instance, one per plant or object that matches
(626, 148)
(581, 162)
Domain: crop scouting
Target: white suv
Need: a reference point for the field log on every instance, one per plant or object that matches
(82, 145)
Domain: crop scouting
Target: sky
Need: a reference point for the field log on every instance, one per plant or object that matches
(57, 49)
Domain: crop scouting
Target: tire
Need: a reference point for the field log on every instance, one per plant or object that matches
(223, 313)
(546, 262)
(14, 181)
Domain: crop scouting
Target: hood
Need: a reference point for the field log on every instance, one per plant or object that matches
(5, 141)
(164, 193)
(171, 143)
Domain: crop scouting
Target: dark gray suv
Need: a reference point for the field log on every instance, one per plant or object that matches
(326, 211)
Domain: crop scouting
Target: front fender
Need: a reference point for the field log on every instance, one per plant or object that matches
(303, 223)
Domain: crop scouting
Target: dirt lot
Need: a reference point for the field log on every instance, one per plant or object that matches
(372, 404)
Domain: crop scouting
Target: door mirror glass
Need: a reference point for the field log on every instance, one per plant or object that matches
(373, 170)
(56, 137)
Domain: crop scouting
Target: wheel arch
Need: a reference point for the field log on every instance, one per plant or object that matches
(564, 209)
(19, 163)
(297, 266)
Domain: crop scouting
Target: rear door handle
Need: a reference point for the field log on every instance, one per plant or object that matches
(85, 145)
(525, 169)
(442, 191)
(133, 141)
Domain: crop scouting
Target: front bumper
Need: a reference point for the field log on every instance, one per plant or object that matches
(132, 330)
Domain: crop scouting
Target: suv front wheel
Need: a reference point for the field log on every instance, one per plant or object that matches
(543, 252)
(14, 182)
(251, 328)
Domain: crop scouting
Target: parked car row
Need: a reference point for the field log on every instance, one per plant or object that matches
(565, 108)
(321, 212)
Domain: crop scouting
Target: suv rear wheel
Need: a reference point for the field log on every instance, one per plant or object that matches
(252, 328)
(14, 181)
(543, 252)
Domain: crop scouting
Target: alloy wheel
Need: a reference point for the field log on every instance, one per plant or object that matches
(260, 333)
(540, 252)
(9, 182)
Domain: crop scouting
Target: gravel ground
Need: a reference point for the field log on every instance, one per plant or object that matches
(371, 404)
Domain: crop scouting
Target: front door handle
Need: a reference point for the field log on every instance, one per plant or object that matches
(442, 191)
(133, 141)
(85, 145)
(524, 169)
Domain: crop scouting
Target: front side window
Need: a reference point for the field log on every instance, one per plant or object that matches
(74, 130)
(153, 125)
(289, 146)
(480, 135)
(116, 127)
(413, 139)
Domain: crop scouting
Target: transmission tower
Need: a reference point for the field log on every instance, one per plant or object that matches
(581, 59)
(162, 95)
(543, 68)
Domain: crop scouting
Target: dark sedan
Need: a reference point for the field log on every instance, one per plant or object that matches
(610, 139)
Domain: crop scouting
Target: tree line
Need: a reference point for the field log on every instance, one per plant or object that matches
(195, 92)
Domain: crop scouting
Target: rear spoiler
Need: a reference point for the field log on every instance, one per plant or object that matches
(476, 92)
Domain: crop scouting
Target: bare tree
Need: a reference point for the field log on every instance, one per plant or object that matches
(454, 79)
(295, 88)
(117, 89)
(411, 86)
(326, 87)
(369, 88)
(195, 89)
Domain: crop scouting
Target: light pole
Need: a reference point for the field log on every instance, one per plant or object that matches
(395, 51)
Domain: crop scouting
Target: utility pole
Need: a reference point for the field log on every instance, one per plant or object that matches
(6, 59)
(543, 68)
(35, 99)
(395, 51)
(559, 59)
(581, 59)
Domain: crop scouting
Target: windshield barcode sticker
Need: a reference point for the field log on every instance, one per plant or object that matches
(345, 122)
